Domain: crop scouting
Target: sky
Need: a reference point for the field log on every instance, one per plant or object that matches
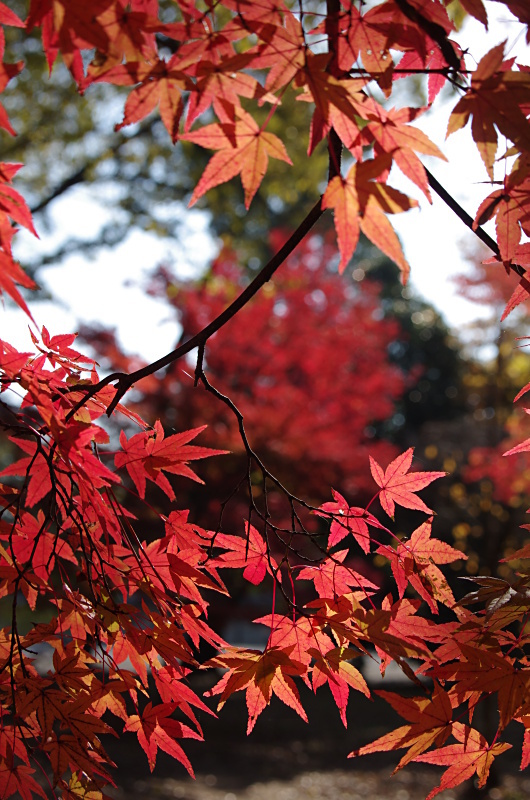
(434, 239)
(108, 290)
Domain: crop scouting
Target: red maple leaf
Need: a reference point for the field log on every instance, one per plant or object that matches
(296, 636)
(432, 59)
(399, 486)
(8, 17)
(249, 551)
(7, 71)
(348, 519)
(58, 351)
(39, 480)
(359, 203)
(146, 456)
(18, 779)
(67, 27)
(333, 579)
(476, 9)
(414, 561)
(37, 547)
(156, 730)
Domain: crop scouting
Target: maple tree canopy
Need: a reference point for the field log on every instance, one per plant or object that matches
(126, 614)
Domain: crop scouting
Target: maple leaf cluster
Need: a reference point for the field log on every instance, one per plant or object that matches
(66, 541)
(230, 56)
(126, 613)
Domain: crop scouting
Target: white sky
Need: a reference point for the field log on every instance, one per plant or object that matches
(108, 289)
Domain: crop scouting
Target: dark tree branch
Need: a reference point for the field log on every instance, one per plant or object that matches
(80, 176)
(447, 71)
(72, 180)
(298, 527)
(449, 200)
(332, 31)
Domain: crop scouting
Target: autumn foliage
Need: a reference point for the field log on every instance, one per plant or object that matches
(124, 614)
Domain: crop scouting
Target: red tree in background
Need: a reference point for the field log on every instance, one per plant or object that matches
(125, 613)
(505, 369)
(287, 370)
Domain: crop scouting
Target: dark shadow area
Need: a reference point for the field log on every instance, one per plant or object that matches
(285, 758)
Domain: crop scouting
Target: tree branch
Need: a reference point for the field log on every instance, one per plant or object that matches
(449, 200)
(332, 31)
(80, 176)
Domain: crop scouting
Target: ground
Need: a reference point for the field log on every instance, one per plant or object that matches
(286, 759)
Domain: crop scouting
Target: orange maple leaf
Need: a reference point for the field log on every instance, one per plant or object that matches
(524, 719)
(494, 100)
(131, 38)
(472, 755)
(221, 84)
(511, 208)
(243, 149)
(393, 135)
(160, 83)
(334, 668)
(359, 203)
(430, 721)
(362, 36)
(262, 675)
(479, 670)
(282, 48)
(338, 103)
